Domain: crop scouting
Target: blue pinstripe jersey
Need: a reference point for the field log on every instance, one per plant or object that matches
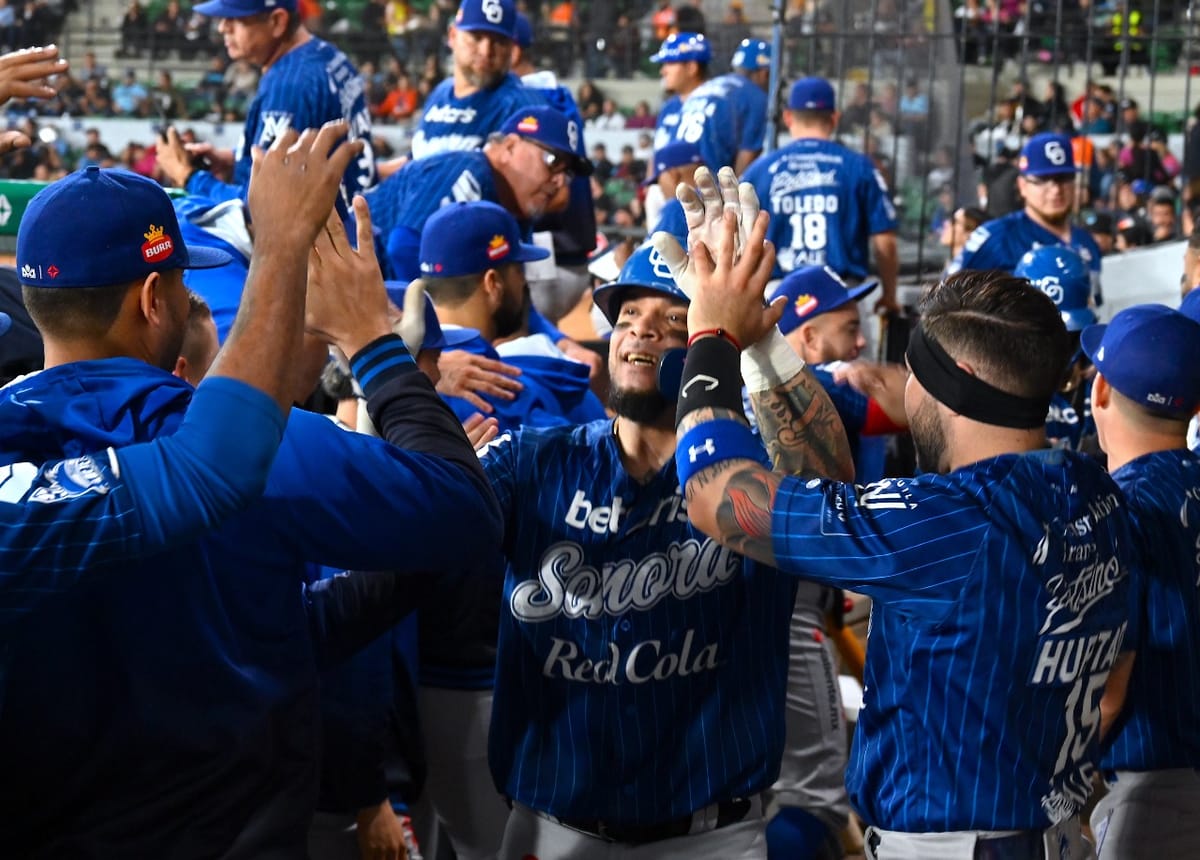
(1160, 725)
(452, 123)
(825, 203)
(641, 666)
(751, 110)
(1002, 595)
(1066, 427)
(307, 87)
(402, 203)
(710, 117)
(1000, 244)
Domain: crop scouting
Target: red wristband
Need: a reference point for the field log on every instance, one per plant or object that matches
(714, 332)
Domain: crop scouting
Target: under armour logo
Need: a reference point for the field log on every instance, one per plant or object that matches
(696, 450)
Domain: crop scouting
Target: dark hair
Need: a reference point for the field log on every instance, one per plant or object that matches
(453, 291)
(1009, 331)
(74, 312)
(974, 214)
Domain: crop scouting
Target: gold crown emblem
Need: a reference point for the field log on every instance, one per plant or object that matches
(496, 242)
(154, 233)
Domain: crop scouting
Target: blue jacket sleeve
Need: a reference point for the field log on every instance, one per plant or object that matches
(62, 521)
(205, 184)
(350, 501)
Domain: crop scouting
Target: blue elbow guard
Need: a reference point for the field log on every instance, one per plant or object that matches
(215, 464)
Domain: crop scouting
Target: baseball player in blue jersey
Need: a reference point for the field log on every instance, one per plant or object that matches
(1146, 390)
(111, 741)
(1062, 275)
(1047, 185)
(967, 746)
(464, 109)
(709, 112)
(829, 206)
(64, 520)
(306, 82)
(751, 66)
(523, 167)
(673, 165)
(625, 723)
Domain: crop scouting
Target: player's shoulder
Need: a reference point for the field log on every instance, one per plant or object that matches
(1158, 473)
(561, 443)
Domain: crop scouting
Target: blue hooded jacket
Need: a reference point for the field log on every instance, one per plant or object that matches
(168, 707)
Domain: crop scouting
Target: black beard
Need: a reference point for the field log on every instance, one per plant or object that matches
(510, 319)
(641, 407)
(929, 440)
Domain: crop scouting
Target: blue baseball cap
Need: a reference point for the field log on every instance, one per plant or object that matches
(644, 270)
(434, 338)
(523, 31)
(490, 16)
(752, 54)
(5, 323)
(97, 227)
(683, 48)
(552, 129)
(1150, 354)
(1190, 306)
(815, 290)
(242, 8)
(812, 94)
(674, 154)
(470, 238)
(1062, 275)
(1047, 155)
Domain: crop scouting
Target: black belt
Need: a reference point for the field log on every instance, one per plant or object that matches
(728, 812)
(1026, 845)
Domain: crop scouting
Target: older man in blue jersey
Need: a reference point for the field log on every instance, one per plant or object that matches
(967, 746)
(170, 706)
(1047, 185)
(829, 206)
(1146, 390)
(305, 83)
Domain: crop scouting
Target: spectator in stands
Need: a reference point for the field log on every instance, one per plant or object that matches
(645, 147)
(1139, 160)
(168, 30)
(663, 20)
(1055, 110)
(642, 117)
(689, 18)
(135, 31)
(610, 118)
(1130, 113)
(1095, 117)
(624, 48)
(34, 24)
(1102, 227)
(914, 111)
(998, 185)
(629, 167)
(397, 15)
(589, 99)
(561, 32)
(130, 97)
(602, 167)
(400, 100)
(241, 83)
(941, 168)
(958, 227)
(210, 89)
(1133, 231)
(1157, 141)
(90, 69)
(372, 42)
(167, 98)
(1164, 221)
(95, 100)
(856, 113)
(8, 30)
(197, 37)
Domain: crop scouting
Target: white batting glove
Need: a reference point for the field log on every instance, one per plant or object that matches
(771, 361)
(411, 327)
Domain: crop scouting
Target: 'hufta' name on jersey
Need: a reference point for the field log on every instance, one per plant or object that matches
(568, 586)
(645, 661)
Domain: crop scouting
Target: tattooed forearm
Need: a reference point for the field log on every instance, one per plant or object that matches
(744, 512)
(802, 430)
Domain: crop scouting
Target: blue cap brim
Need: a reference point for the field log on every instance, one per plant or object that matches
(206, 258)
(5, 323)
(1090, 339)
(865, 288)
(221, 9)
(1057, 171)
(486, 28)
(527, 254)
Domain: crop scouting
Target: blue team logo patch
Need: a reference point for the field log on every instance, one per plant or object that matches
(71, 479)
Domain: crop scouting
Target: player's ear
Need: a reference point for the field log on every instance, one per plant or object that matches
(1101, 392)
(493, 288)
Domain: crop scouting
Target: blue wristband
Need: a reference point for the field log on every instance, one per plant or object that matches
(714, 442)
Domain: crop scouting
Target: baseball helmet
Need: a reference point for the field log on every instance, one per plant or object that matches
(752, 54)
(1062, 275)
(683, 48)
(644, 270)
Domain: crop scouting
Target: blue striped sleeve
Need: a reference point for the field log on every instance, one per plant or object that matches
(387, 353)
